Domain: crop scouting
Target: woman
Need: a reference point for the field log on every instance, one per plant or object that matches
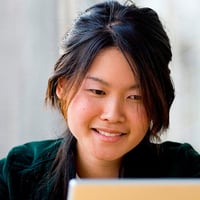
(113, 86)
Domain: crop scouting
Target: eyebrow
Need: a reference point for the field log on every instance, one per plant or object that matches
(97, 80)
(133, 87)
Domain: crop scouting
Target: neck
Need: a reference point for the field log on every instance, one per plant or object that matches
(94, 168)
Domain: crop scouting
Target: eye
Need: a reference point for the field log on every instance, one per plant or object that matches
(97, 92)
(135, 97)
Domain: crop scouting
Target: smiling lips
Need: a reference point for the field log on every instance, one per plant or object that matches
(108, 133)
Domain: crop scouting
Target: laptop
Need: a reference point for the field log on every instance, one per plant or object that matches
(134, 189)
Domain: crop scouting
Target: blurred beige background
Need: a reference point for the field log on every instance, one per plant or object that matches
(30, 31)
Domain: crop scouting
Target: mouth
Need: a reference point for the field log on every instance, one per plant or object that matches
(108, 133)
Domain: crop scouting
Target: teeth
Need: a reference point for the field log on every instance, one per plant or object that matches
(108, 134)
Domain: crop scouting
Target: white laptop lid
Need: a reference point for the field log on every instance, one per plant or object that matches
(134, 189)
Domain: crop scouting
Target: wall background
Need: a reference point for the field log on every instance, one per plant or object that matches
(30, 31)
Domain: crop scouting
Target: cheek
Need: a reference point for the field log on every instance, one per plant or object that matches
(140, 119)
(76, 110)
(80, 111)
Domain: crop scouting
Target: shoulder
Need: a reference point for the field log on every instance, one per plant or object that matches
(25, 165)
(33, 152)
(168, 159)
(181, 158)
(174, 149)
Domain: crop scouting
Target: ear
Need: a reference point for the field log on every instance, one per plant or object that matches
(60, 89)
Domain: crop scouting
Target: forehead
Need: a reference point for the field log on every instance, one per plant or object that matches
(111, 65)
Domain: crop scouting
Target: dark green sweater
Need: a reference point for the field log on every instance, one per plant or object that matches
(24, 167)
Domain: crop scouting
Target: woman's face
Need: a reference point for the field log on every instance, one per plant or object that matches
(107, 115)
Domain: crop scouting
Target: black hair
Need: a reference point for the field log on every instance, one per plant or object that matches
(140, 35)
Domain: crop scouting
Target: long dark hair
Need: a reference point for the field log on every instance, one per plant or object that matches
(140, 35)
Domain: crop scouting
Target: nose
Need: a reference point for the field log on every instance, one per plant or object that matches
(113, 111)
